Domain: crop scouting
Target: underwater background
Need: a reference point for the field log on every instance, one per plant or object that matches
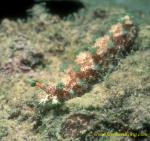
(37, 37)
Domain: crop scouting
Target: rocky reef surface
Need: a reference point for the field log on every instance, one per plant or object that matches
(35, 46)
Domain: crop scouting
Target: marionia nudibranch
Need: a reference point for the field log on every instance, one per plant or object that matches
(120, 38)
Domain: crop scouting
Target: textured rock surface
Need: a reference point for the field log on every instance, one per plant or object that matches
(119, 102)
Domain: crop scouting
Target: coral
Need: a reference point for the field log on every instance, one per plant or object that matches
(119, 38)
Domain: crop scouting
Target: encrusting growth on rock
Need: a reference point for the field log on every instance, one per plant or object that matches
(77, 78)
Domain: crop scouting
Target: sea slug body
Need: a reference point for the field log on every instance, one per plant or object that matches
(76, 79)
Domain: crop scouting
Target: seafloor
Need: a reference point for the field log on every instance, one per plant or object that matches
(33, 47)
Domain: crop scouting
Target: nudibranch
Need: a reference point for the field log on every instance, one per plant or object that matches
(89, 63)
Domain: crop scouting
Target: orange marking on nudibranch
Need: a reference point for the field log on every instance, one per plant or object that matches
(39, 85)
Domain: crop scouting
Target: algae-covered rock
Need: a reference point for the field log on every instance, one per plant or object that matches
(3, 132)
(34, 46)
